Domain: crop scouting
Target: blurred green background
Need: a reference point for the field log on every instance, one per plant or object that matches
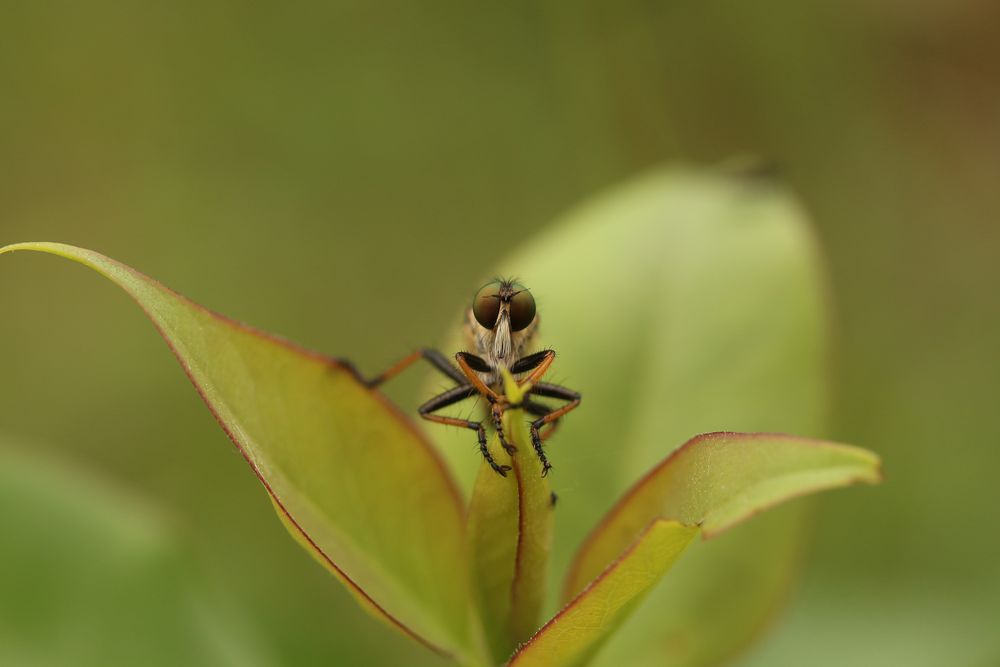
(345, 174)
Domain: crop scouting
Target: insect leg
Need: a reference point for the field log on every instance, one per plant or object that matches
(435, 358)
(550, 391)
(471, 365)
(497, 413)
(451, 397)
(530, 362)
(540, 410)
(545, 359)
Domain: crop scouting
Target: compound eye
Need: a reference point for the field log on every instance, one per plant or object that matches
(522, 310)
(486, 305)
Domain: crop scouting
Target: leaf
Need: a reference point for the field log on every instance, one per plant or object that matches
(91, 577)
(577, 631)
(352, 479)
(717, 480)
(510, 533)
(683, 301)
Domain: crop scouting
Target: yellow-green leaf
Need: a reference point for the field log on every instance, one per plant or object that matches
(717, 480)
(577, 631)
(510, 533)
(351, 478)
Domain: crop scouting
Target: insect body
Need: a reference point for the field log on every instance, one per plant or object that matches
(500, 327)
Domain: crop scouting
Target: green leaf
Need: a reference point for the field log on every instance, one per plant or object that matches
(510, 532)
(91, 577)
(682, 302)
(577, 631)
(352, 479)
(717, 480)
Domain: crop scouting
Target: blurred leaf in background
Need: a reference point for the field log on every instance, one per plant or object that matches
(355, 167)
(682, 302)
(90, 575)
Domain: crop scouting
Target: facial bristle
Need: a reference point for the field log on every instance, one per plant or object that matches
(501, 338)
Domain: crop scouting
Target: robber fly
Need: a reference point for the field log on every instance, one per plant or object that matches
(500, 327)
